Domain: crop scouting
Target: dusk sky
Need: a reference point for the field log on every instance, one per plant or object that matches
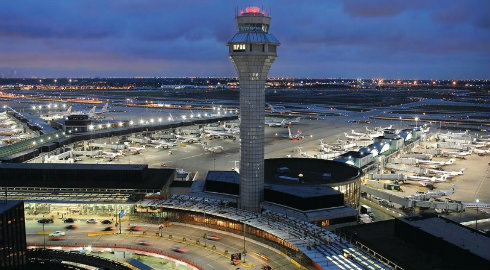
(413, 39)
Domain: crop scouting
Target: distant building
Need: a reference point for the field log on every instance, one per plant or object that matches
(12, 235)
(422, 242)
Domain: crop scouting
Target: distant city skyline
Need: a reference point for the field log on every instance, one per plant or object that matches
(322, 39)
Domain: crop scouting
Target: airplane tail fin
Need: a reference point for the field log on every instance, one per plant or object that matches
(104, 109)
(69, 110)
(451, 161)
(462, 170)
(92, 110)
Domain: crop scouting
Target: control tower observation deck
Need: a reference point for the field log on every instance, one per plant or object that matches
(252, 50)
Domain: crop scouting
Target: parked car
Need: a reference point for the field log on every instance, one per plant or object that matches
(92, 221)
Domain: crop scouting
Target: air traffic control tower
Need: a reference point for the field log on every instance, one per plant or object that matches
(252, 50)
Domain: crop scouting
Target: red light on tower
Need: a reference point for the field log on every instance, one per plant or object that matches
(254, 10)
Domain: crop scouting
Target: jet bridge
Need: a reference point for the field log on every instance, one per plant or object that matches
(410, 203)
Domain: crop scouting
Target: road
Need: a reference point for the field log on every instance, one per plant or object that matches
(87, 234)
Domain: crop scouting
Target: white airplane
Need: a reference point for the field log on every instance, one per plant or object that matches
(438, 163)
(136, 149)
(163, 144)
(372, 134)
(294, 137)
(324, 147)
(481, 152)
(357, 137)
(188, 139)
(376, 129)
(424, 181)
(275, 123)
(345, 145)
(219, 133)
(457, 154)
(447, 173)
(213, 149)
(441, 193)
(481, 144)
(112, 155)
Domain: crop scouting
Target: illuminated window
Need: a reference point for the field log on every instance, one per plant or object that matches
(238, 47)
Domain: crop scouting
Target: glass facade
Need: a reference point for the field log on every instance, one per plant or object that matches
(12, 235)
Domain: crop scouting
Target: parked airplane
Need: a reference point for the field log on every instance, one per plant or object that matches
(481, 152)
(163, 144)
(136, 149)
(438, 163)
(457, 154)
(447, 173)
(372, 134)
(346, 145)
(112, 155)
(219, 133)
(275, 123)
(188, 139)
(357, 137)
(376, 129)
(424, 181)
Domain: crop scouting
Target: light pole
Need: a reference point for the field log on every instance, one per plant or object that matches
(44, 237)
(244, 250)
(476, 219)
(416, 121)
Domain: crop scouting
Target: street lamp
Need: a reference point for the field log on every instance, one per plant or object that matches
(476, 219)
(416, 121)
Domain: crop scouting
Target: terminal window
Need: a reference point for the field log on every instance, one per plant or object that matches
(238, 47)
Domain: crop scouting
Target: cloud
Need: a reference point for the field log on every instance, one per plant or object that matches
(188, 37)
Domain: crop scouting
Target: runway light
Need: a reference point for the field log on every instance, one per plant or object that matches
(151, 120)
(109, 125)
(159, 119)
(131, 122)
(199, 115)
(142, 121)
(206, 115)
(120, 124)
(33, 143)
(56, 136)
(33, 107)
(100, 126)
